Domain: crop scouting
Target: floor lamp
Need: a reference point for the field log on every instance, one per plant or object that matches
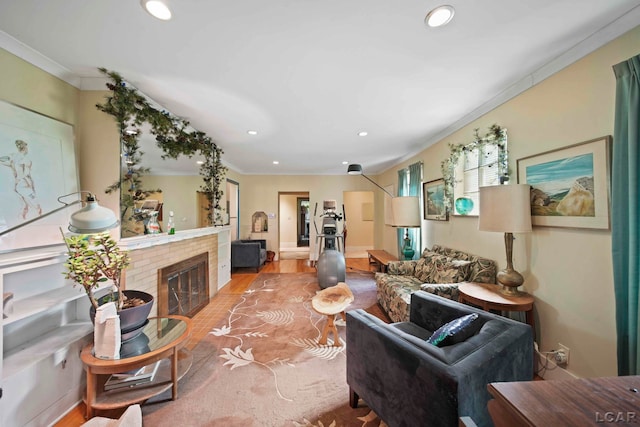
(91, 218)
(506, 209)
(405, 210)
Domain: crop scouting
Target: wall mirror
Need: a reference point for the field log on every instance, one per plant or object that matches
(166, 165)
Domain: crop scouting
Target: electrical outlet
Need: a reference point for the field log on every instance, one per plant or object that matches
(562, 355)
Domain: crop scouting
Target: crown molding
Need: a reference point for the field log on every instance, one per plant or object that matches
(37, 59)
(596, 40)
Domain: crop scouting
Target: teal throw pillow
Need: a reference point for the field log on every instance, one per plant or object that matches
(453, 332)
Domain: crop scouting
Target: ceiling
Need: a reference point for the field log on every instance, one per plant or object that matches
(309, 75)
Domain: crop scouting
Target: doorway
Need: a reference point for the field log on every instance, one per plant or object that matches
(233, 207)
(302, 208)
(293, 225)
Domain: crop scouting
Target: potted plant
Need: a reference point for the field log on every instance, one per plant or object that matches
(94, 259)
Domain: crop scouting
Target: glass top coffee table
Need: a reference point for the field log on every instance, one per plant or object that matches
(162, 339)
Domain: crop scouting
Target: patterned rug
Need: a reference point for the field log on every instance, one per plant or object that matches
(263, 366)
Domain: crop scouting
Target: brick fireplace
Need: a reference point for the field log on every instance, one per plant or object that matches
(150, 254)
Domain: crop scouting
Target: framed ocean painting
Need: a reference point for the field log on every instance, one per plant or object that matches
(570, 186)
(433, 196)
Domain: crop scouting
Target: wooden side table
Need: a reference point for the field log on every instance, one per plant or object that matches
(162, 339)
(489, 298)
(610, 401)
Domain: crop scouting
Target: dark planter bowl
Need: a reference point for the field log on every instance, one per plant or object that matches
(133, 319)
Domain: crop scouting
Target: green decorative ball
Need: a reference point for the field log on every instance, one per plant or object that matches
(464, 205)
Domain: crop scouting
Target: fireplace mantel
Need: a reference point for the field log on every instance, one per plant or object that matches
(150, 240)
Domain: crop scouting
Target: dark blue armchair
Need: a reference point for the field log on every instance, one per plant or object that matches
(408, 382)
(248, 253)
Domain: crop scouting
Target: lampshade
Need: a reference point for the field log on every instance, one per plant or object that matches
(354, 169)
(92, 218)
(406, 212)
(505, 208)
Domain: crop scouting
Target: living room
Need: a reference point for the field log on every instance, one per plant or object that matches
(569, 271)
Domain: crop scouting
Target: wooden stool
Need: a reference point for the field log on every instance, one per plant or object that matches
(331, 301)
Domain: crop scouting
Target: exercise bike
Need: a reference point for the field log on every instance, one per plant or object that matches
(330, 264)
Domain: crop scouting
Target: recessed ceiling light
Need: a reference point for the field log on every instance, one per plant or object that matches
(252, 132)
(439, 16)
(275, 162)
(363, 133)
(157, 9)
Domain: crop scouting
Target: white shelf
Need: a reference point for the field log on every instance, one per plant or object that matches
(54, 342)
(36, 304)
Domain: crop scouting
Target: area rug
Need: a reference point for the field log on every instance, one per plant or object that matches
(263, 366)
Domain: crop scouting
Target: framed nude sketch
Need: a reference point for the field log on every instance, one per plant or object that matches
(37, 166)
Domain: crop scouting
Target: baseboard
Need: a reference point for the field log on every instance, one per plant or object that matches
(547, 369)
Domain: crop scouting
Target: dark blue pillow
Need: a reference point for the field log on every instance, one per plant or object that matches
(453, 332)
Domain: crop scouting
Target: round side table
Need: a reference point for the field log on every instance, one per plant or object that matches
(489, 298)
(163, 339)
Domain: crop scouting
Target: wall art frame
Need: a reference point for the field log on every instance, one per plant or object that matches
(37, 166)
(433, 195)
(571, 185)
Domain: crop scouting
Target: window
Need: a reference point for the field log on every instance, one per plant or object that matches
(477, 168)
(470, 166)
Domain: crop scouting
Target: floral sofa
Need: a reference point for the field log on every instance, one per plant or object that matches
(438, 271)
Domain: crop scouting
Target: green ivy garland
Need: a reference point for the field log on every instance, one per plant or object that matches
(130, 110)
(496, 137)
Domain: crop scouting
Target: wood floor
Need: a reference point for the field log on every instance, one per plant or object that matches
(218, 308)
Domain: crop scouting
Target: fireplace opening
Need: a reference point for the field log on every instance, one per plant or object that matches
(183, 287)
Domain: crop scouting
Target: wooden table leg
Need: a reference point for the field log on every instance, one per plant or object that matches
(91, 392)
(174, 374)
(330, 326)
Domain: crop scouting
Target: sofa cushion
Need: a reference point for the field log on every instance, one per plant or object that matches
(427, 265)
(455, 331)
(437, 268)
(481, 270)
(453, 271)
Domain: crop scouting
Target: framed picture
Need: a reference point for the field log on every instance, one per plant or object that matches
(570, 186)
(37, 166)
(433, 196)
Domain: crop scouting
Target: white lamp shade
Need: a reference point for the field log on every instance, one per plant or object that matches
(406, 212)
(505, 208)
(92, 218)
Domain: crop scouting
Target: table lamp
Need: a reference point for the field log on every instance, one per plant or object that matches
(406, 214)
(506, 209)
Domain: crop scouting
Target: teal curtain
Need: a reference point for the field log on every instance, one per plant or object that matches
(403, 190)
(409, 185)
(625, 206)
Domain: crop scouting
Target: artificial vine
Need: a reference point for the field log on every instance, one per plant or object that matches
(496, 137)
(130, 110)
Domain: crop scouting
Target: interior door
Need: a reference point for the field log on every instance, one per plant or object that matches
(303, 221)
